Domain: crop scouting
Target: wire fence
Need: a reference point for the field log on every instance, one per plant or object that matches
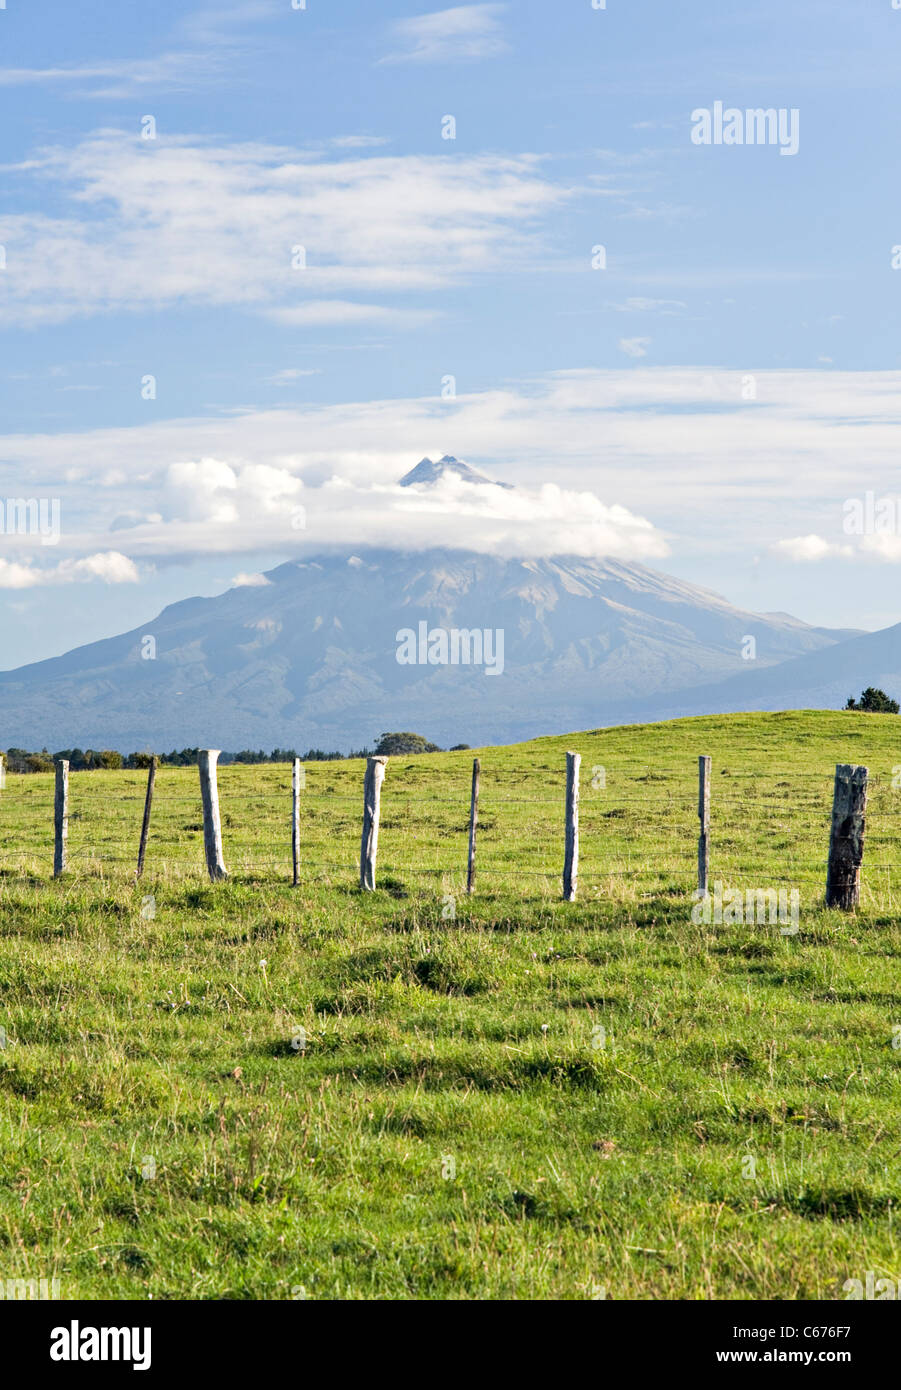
(638, 825)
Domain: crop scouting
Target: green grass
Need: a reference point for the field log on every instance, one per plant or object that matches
(599, 1073)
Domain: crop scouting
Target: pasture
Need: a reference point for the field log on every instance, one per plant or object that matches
(257, 1091)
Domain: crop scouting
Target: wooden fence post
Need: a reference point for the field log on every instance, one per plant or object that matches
(849, 805)
(372, 792)
(704, 818)
(2, 771)
(571, 859)
(145, 824)
(473, 821)
(295, 819)
(60, 817)
(212, 826)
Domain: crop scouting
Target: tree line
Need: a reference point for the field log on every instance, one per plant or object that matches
(93, 759)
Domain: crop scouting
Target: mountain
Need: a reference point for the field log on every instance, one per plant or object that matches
(311, 657)
(819, 680)
(426, 472)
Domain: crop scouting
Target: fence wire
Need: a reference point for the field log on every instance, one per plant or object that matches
(638, 822)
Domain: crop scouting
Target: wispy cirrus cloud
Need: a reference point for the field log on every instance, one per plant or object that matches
(120, 78)
(208, 40)
(463, 33)
(149, 223)
(634, 347)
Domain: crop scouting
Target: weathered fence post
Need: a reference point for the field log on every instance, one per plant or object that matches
(60, 816)
(571, 858)
(849, 805)
(295, 818)
(473, 821)
(2, 771)
(212, 826)
(704, 818)
(145, 824)
(372, 791)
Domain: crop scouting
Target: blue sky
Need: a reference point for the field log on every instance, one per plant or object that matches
(708, 402)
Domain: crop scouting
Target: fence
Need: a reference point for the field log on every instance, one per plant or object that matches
(637, 822)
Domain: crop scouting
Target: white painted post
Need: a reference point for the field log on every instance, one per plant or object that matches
(571, 859)
(295, 818)
(372, 792)
(212, 826)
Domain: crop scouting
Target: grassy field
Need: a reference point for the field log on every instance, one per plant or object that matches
(498, 1097)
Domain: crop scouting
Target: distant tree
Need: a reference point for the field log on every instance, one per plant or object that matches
(459, 748)
(874, 702)
(38, 762)
(390, 745)
(283, 755)
(247, 755)
(108, 758)
(186, 758)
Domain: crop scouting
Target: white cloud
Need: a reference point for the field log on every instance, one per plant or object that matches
(320, 312)
(144, 224)
(884, 545)
(211, 506)
(125, 77)
(111, 566)
(223, 23)
(212, 491)
(289, 374)
(464, 32)
(805, 549)
(637, 304)
(358, 142)
(250, 581)
(209, 33)
(650, 439)
(634, 347)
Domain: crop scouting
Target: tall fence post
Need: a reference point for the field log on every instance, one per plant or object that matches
(849, 806)
(296, 782)
(60, 816)
(473, 822)
(372, 792)
(2, 771)
(212, 826)
(571, 858)
(145, 824)
(704, 763)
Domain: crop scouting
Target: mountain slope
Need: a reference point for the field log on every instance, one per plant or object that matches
(311, 657)
(819, 680)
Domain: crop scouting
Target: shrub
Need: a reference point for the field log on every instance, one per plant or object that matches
(874, 702)
(392, 744)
